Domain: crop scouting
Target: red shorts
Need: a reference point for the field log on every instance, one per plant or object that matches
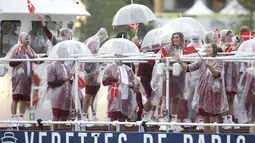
(20, 97)
(92, 89)
(59, 112)
(201, 112)
(116, 115)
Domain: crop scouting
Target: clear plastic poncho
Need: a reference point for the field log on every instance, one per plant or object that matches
(93, 43)
(65, 34)
(196, 41)
(92, 69)
(247, 96)
(210, 91)
(22, 74)
(176, 79)
(64, 49)
(124, 100)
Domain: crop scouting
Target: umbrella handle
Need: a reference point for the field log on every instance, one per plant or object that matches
(136, 31)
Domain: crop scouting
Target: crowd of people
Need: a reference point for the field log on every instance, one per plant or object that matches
(203, 91)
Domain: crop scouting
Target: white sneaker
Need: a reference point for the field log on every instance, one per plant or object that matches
(231, 122)
(14, 118)
(23, 125)
(177, 129)
(146, 116)
(200, 127)
(225, 121)
(164, 127)
(85, 118)
(94, 118)
(187, 121)
(128, 125)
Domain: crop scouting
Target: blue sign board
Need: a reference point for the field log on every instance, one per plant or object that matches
(119, 137)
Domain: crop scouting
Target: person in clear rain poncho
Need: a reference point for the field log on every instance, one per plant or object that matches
(22, 74)
(92, 73)
(64, 33)
(176, 84)
(211, 100)
(38, 39)
(247, 89)
(59, 86)
(121, 98)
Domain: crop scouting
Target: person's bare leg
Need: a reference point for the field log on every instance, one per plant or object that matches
(91, 103)
(112, 128)
(62, 126)
(22, 107)
(230, 103)
(55, 126)
(214, 119)
(207, 129)
(14, 107)
(147, 105)
(86, 101)
(174, 106)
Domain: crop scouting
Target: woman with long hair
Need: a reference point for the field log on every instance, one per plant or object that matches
(210, 88)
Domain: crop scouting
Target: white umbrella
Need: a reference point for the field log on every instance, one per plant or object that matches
(247, 47)
(132, 14)
(157, 36)
(119, 46)
(187, 25)
(68, 48)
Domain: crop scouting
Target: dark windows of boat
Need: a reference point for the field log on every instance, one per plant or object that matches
(9, 34)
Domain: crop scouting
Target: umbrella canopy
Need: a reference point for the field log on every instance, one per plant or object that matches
(68, 48)
(199, 8)
(234, 7)
(119, 46)
(187, 25)
(158, 37)
(247, 47)
(132, 14)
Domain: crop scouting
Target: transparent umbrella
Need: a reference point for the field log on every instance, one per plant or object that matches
(68, 48)
(119, 46)
(188, 26)
(132, 14)
(247, 47)
(156, 37)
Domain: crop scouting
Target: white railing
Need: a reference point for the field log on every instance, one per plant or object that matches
(114, 123)
(141, 59)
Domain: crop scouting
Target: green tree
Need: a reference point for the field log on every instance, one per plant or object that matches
(102, 12)
(244, 20)
(249, 5)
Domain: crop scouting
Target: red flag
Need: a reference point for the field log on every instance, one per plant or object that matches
(81, 82)
(31, 7)
(217, 31)
(247, 35)
(115, 90)
(133, 26)
(20, 47)
(189, 50)
(163, 52)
